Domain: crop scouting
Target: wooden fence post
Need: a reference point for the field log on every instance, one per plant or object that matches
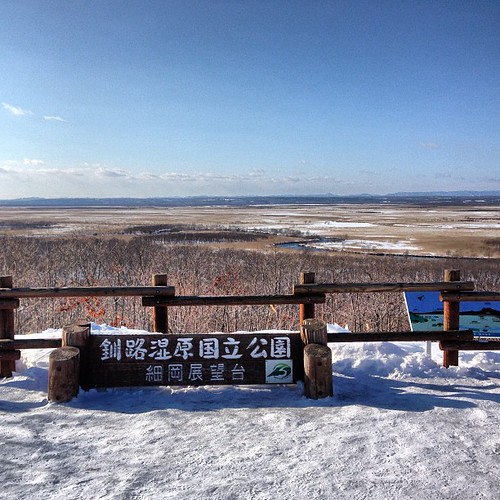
(77, 335)
(306, 311)
(7, 366)
(64, 365)
(451, 318)
(318, 380)
(313, 331)
(160, 313)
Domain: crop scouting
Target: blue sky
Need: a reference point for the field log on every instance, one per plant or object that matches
(175, 98)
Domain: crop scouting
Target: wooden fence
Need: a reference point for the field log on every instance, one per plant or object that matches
(160, 296)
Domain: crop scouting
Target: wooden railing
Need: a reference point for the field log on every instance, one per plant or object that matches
(306, 294)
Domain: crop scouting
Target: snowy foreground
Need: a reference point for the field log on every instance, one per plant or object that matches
(399, 426)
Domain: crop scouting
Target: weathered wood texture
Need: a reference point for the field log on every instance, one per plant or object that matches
(462, 335)
(476, 345)
(8, 344)
(401, 336)
(158, 359)
(100, 291)
(63, 374)
(9, 303)
(7, 366)
(451, 318)
(471, 296)
(232, 300)
(382, 287)
(78, 335)
(160, 314)
(313, 331)
(306, 310)
(10, 355)
(318, 381)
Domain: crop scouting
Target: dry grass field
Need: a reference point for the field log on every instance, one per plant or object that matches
(222, 250)
(461, 231)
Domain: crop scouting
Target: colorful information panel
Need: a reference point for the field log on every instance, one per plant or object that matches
(248, 358)
(425, 311)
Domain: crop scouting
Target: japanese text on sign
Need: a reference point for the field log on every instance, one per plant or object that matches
(186, 348)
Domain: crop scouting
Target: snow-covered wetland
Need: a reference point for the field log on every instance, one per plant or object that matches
(470, 229)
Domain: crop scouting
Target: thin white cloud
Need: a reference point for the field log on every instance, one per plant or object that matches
(111, 172)
(148, 176)
(16, 110)
(33, 177)
(257, 173)
(54, 119)
(493, 180)
(429, 145)
(29, 162)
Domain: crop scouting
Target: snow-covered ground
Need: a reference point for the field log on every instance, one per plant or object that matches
(399, 426)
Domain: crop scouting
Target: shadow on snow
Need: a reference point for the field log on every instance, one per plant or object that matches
(355, 389)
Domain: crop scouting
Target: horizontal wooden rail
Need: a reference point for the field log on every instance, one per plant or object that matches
(232, 300)
(10, 355)
(9, 303)
(476, 345)
(10, 345)
(91, 291)
(383, 287)
(471, 296)
(455, 335)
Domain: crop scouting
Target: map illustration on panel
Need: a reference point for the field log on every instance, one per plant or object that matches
(425, 312)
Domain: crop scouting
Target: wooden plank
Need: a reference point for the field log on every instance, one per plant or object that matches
(92, 291)
(158, 359)
(8, 344)
(451, 318)
(307, 310)
(471, 297)
(465, 335)
(7, 329)
(10, 355)
(470, 346)
(160, 314)
(232, 300)
(401, 336)
(382, 287)
(9, 303)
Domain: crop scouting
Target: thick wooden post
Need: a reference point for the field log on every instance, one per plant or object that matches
(306, 310)
(78, 336)
(10, 355)
(63, 374)
(160, 314)
(451, 319)
(318, 381)
(7, 366)
(313, 331)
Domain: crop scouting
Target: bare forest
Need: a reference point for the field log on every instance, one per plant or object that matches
(200, 269)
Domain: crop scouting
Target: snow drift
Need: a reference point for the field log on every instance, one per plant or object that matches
(398, 426)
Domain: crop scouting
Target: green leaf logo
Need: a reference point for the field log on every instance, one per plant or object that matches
(281, 371)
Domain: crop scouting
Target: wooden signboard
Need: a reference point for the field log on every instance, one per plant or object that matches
(158, 359)
(425, 312)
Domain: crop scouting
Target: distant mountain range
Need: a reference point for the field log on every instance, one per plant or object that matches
(418, 198)
(474, 194)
